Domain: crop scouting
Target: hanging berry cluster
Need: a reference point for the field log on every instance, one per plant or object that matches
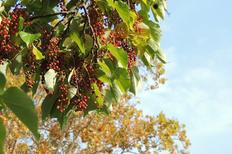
(83, 78)
(80, 101)
(62, 100)
(9, 26)
(96, 19)
(52, 57)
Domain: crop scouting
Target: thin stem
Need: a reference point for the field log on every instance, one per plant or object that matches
(95, 41)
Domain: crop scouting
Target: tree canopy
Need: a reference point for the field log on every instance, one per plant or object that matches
(86, 55)
(124, 130)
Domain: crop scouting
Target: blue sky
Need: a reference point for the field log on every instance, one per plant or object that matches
(197, 38)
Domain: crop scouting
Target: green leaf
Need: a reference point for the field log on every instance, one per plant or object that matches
(104, 78)
(29, 38)
(159, 12)
(2, 82)
(16, 64)
(109, 98)
(37, 53)
(62, 117)
(153, 44)
(92, 106)
(71, 3)
(37, 82)
(99, 97)
(21, 22)
(119, 54)
(2, 136)
(67, 42)
(88, 42)
(25, 88)
(155, 30)
(162, 57)
(146, 59)
(47, 105)
(113, 94)
(135, 80)
(124, 12)
(140, 41)
(122, 80)
(22, 106)
(9, 3)
(76, 38)
(104, 68)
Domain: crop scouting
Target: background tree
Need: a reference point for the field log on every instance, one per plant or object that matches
(125, 129)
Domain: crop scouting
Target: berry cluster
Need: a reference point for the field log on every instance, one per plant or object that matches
(80, 101)
(14, 16)
(92, 76)
(115, 39)
(96, 21)
(85, 76)
(131, 58)
(6, 46)
(53, 60)
(82, 79)
(62, 100)
(8, 28)
(46, 37)
(131, 54)
(114, 18)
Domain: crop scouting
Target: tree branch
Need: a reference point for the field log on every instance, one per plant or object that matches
(47, 15)
(95, 43)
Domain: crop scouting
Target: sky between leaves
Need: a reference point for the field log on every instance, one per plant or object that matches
(197, 38)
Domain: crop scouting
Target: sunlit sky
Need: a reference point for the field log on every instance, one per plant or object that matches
(197, 38)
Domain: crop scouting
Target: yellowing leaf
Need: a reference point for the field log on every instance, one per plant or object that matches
(37, 53)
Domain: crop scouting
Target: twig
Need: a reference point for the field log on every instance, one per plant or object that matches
(48, 15)
(13, 147)
(95, 41)
(95, 44)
